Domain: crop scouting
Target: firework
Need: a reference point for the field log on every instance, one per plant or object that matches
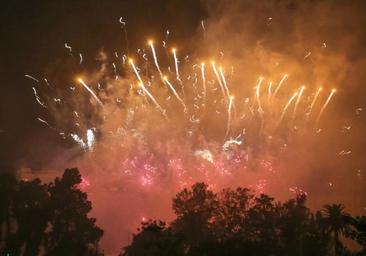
(313, 102)
(279, 85)
(287, 105)
(175, 92)
(154, 56)
(324, 106)
(146, 143)
(229, 110)
(224, 82)
(219, 80)
(203, 82)
(90, 91)
(257, 93)
(176, 63)
(297, 103)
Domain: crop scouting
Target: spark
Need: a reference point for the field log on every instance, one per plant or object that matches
(307, 55)
(227, 143)
(205, 154)
(175, 92)
(269, 90)
(347, 127)
(46, 81)
(358, 111)
(218, 79)
(154, 56)
(81, 58)
(152, 98)
(43, 121)
(313, 102)
(257, 93)
(231, 100)
(68, 47)
(344, 152)
(297, 103)
(224, 82)
(176, 63)
(32, 77)
(90, 139)
(136, 72)
(123, 23)
(203, 82)
(324, 106)
(90, 91)
(38, 98)
(78, 140)
(279, 85)
(287, 105)
(203, 25)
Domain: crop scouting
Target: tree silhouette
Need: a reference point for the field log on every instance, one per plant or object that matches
(8, 184)
(195, 210)
(31, 213)
(359, 231)
(72, 233)
(335, 220)
(154, 239)
(49, 219)
(239, 222)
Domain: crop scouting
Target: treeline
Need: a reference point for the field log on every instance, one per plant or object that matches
(46, 219)
(239, 222)
(52, 220)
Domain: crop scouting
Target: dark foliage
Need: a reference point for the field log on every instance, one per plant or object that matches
(239, 222)
(49, 219)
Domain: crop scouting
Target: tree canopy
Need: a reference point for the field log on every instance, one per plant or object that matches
(51, 219)
(240, 222)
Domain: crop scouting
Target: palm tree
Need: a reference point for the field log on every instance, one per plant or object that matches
(335, 220)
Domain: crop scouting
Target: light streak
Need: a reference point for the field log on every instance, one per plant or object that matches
(152, 98)
(38, 98)
(176, 63)
(297, 103)
(219, 80)
(287, 105)
(175, 92)
(135, 70)
(32, 77)
(43, 121)
(203, 82)
(90, 139)
(154, 56)
(78, 140)
(269, 90)
(279, 85)
(313, 102)
(224, 82)
(257, 93)
(324, 106)
(90, 91)
(231, 101)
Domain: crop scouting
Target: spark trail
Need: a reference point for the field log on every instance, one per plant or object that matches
(155, 58)
(324, 106)
(90, 91)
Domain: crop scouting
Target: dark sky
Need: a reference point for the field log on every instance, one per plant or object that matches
(33, 37)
